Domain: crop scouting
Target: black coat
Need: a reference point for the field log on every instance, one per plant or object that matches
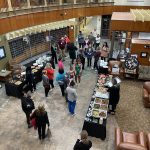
(114, 94)
(72, 50)
(41, 119)
(27, 104)
(81, 146)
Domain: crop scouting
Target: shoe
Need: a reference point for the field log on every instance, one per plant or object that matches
(74, 114)
(112, 113)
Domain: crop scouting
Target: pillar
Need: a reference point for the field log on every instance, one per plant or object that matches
(28, 4)
(98, 26)
(112, 44)
(75, 2)
(9, 5)
(60, 2)
(45, 3)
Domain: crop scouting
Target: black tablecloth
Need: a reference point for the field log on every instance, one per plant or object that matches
(102, 70)
(95, 129)
(16, 90)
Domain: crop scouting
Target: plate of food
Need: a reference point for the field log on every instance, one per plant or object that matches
(18, 82)
(98, 100)
(105, 101)
(95, 113)
(103, 114)
(104, 107)
(96, 106)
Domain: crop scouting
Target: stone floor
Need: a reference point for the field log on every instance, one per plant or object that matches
(14, 134)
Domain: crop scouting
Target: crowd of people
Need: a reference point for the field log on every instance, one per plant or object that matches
(89, 50)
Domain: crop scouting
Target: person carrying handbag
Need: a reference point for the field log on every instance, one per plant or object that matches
(46, 83)
(41, 119)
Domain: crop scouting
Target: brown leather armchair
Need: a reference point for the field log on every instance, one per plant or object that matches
(115, 68)
(130, 141)
(146, 94)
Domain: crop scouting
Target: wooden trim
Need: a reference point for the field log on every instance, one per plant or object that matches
(22, 21)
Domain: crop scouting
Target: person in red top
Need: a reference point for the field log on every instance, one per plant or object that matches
(50, 73)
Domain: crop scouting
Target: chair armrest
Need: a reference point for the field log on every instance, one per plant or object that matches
(142, 139)
(148, 140)
(118, 136)
(145, 93)
(130, 146)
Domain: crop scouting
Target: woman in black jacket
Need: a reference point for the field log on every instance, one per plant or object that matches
(83, 143)
(72, 51)
(41, 119)
(27, 106)
(30, 79)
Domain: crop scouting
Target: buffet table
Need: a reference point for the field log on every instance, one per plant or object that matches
(96, 117)
(15, 87)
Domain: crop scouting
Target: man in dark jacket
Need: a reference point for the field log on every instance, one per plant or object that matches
(27, 106)
(114, 96)
(72, 51)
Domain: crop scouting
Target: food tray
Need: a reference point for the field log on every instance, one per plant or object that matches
(103, 114)
(104, 107)
(96, 106)
(95, 113)
(105, 101)
(18, 82)
(98, 100)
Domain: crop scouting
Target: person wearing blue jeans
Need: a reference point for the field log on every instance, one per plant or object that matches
(71, 106)
(72, 97)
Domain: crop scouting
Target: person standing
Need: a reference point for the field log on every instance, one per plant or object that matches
(72, 51)
(96, 58)
(46, 83)
(104, 51)
(89, 54)
(114, 96)
(60, 78)
(50, 73)
(72, 97)
(60, 63)
(83, 143)
(30, 79)
(27, 106)
(41, 119)
(97, 41)
(78, 70)
(54, 55)
(81, 39)
(62, 45)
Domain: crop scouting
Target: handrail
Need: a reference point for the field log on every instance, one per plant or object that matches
(5, 13)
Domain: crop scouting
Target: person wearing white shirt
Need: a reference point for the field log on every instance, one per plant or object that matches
(97, 40)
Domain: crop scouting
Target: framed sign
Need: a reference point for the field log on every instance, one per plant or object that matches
(144, 54)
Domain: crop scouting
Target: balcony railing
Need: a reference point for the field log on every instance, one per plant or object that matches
(18, 7)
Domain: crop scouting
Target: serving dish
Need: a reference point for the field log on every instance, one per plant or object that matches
(103, 114)
(95, 113)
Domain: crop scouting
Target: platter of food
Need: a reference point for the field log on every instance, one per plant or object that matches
(34, 70)
(103, 114)
(105, 101)
(98, 100)
(96, 106)
(95, 113)
(104, 107)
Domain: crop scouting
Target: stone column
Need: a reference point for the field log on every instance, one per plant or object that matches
(9, 5)
(112, 44)
(45, 3)
(98, 27)
(28, 4)
(60, 2)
